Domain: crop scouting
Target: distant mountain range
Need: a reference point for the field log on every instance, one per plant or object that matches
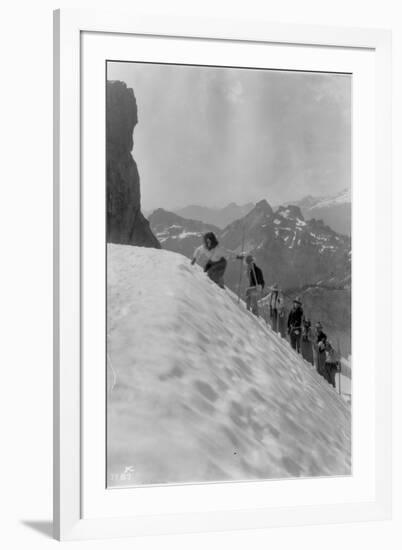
(334, 210)
(303, 256)
(221, 217)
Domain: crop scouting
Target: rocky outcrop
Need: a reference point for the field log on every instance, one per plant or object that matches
(125, 222)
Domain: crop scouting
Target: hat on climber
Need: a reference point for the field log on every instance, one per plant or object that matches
(297, 301)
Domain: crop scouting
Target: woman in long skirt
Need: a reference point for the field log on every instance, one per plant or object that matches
(306, 343)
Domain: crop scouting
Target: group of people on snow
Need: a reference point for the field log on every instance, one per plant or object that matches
(315, 348)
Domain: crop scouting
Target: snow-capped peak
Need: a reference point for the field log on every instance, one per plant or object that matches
(341, 198)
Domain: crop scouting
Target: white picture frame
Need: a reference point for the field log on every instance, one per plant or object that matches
(83, 508)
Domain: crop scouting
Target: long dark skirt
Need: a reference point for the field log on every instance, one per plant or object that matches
(307, 350)
(282, 327)
(320, 362)
(252, 300)
(330, 373)
(273, 314)
(295, 338)
(216, 271)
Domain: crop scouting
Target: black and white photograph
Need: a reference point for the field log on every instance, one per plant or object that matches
(202, 269)
(228, 266)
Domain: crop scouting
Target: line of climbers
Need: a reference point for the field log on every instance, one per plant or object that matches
(313, 345)
(315, 348)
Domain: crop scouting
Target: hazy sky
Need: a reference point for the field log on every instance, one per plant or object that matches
(211, 136)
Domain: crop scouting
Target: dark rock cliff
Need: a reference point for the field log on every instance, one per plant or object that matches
(125, 222)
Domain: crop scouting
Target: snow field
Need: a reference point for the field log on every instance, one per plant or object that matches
(201, 390)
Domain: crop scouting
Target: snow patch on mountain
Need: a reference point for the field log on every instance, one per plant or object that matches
(341, 198)
(201, 390)
(164, 235)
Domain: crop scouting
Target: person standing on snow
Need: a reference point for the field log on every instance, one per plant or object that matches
(213, 258)
(331, 364)
(282, 319)
(306, 342)
(256, 284)
(320, 345)
(274, 303)
(295, 321)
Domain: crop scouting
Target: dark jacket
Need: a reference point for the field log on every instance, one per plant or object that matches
(321, 338)
(295, 318)
(255, 275)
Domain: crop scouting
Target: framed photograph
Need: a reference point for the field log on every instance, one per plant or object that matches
(222, 275)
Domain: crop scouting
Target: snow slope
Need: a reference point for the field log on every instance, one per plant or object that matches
(201, 390)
